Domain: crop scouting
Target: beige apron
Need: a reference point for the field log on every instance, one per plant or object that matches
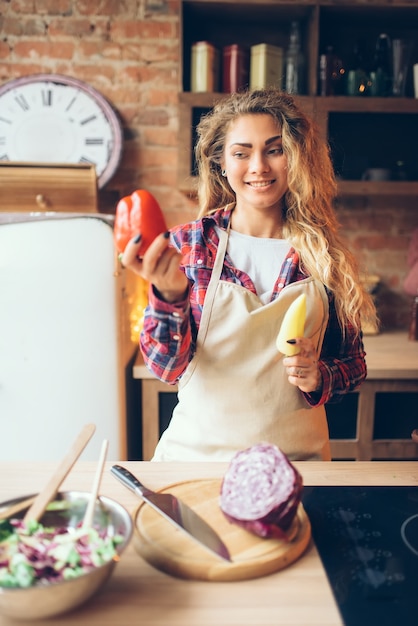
(235, 391)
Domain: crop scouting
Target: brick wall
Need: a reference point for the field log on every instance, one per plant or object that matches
(129, 50)
(379, 231)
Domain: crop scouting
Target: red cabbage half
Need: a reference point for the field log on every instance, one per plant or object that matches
(261, 491)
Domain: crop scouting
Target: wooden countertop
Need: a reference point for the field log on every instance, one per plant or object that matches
(139, 594)
(389, 356)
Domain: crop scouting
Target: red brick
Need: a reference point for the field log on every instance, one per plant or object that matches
(39, 49)
(127, 113)
(151, 74)
(94, 50)
(21, 6)
(76, 27)
(162, 98)
(99, 77)
(145, 29)
(105, 7)
(8, 71)
(126, 95)
(18, 27)
(54, 7)
(4, 50)
(152, 117)
(166, 178)
(158, 158)
(151, 53)
(160, 137)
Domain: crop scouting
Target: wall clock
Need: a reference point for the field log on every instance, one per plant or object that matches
(52, 118)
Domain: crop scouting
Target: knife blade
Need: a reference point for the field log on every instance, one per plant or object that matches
(176, 512)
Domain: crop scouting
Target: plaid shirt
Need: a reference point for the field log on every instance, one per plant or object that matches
(168, 339)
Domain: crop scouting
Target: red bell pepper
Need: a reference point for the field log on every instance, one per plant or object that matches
(138, 213)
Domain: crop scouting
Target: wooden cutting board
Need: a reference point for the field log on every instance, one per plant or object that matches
(174, 552)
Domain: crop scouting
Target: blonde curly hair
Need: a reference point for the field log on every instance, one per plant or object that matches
(309, 220)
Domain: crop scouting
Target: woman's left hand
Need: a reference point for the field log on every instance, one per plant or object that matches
(302, 369)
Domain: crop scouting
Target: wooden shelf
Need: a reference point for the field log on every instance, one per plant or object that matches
(365, 104)
(380, 188)
(323, 22)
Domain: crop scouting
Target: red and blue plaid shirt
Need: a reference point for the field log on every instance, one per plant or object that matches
(168, 338)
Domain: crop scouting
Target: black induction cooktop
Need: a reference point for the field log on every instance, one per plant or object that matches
(367, 538)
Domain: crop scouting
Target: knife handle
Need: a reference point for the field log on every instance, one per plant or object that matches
(129, 480)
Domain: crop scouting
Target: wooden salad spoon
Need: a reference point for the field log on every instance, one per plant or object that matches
(88, 516)
(51, 488)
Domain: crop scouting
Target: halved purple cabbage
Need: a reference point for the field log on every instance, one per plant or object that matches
(261, 490)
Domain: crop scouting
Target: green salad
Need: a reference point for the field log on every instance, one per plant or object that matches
(32, 554)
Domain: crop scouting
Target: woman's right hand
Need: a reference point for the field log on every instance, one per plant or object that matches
(160, 266)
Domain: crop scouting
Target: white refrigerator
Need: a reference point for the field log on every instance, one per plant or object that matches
(63, 343)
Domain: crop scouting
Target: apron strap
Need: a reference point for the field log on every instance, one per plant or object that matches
(213, 283)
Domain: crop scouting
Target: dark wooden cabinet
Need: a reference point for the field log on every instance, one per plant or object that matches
(363, 131)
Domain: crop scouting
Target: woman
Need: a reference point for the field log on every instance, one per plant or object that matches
(266, 233)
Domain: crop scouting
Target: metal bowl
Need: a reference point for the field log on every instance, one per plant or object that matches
(44, 601)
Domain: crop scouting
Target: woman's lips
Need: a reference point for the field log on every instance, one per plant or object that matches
(260, 184)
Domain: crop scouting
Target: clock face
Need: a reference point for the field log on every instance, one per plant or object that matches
(50, 118)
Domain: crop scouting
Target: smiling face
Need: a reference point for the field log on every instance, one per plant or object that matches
(255, 165)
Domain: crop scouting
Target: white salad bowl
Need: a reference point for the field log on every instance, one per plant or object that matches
(44, 600)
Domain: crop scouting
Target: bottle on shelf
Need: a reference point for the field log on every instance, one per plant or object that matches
(357, 77)
(294, 70)
(381, 70)
(331, 73)
(401, 56)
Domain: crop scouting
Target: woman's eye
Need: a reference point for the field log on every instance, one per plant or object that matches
(276, 150)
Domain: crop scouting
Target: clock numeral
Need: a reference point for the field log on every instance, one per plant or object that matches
(88, 119)
(86, 160)
(22, 102)
(70, 104)
(47, 97)
(94, 142)
(4, 157)
(4, 119)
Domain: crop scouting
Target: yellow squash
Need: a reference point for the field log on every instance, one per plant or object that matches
(293, 325)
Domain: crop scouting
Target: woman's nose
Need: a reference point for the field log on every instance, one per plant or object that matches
(258, 163)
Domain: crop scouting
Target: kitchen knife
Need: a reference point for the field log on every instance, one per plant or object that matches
(176, 512)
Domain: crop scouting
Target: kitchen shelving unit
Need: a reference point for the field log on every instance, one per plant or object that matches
(371, 132)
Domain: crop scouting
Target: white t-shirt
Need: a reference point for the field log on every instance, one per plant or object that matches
(259, 257)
